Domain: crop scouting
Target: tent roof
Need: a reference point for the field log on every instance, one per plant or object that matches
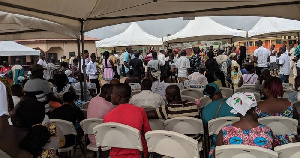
(273, 27)
(132, 36)
(99, 13)
(11, 48)
(204, 29)
(18, 27)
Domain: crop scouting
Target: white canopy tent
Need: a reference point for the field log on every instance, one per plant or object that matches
(205, 29)
(11, 48)
(134, 35)
(19, 27)
(96, 13)
(274, 27)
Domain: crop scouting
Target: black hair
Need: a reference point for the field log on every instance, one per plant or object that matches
(106, 89)
(131, 73)
(75, 60)
(146, 84)
(69, 97)
(106, 56)
(210, 54)
(183, 52)
(249, 67)
(210, 77)
(60, 81)
(210, 90)
(154, 55)
(86, 51)
(220, 75)
(170, 50)
(17, 90)
(124, 90)
(64, 64)
(196, 50)
(30, 113)
(173, 90)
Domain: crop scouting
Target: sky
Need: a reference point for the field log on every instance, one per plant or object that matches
(162, 27)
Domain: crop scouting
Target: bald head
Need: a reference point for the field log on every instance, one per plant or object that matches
(173, 93)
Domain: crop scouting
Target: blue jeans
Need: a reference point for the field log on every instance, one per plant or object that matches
(284, 78)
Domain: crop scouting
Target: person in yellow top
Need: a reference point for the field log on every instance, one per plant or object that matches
(236, 73)
(114, 59)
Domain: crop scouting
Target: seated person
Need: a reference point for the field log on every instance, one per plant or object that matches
(174, 107)
(114, 82)
(146, 98)
(250, 77)
(218, 107)
(99, 106)
(61, 85)
(130, 115)
(247, 131)
(71, 79)
(131, 78)
(274, 105)
(199, 76)
(157, 86)
(17, 93)
(69, 112)
(297, 88)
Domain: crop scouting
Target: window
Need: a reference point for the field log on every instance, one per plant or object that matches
(51, 55)
(71, 54)
(278, 41)
(22, 58)
(250, 43)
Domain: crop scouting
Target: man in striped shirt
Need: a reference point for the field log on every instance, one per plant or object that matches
(175, 107)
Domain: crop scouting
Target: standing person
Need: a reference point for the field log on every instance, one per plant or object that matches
(154, 65)
(5, 69)
(284, 63)
(130, 115)
(242, 55)
(236, 73)
(222, 61)
(183, 66)
(126, 59)
(161, 56)
(172, 64)
(250, 77)
(86, 59)
(211, 63)
(16, 71)
(195, 60)
(50, 69)
(108, 72)
(292, 63)
(114, 60)
(42, 60)
(137, 65)
(261, 57)
(297, 56)
(273, 65)
(92, 71)
(75, 69)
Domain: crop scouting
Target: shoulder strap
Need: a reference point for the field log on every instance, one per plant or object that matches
(219, 108)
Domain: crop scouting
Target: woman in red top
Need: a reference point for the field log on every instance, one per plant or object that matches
(5, 69)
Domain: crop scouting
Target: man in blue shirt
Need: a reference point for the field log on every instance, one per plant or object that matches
(126, 59)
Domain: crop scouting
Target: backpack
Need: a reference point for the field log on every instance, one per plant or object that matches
(165, 70)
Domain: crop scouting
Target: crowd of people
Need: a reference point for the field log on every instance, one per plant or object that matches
(52, 92)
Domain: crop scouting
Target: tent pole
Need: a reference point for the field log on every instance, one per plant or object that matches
(83, 60)
(79, 60)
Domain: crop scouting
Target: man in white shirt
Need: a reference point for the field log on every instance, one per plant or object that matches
(155, 64)
(284, 63)
(43, 62)
(183, 66)
(292, 63)
(161, 56)
(146, 98)
(261, 57)
(92, 71)
(86, 59)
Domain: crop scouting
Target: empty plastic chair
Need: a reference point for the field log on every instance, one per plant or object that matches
(135, 86)
(172, 144)
(190, 82)
(280, 125)
(118, 135)
(243, 151)
(87, 126)
(226, 92)
(291, 150)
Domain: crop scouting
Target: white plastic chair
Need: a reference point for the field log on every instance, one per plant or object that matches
(67, 128)
(204, 101)
(135, 86)
(215, 125)
(188, 98)
(157, 124)
(87, 126)
(296, 104)
(286, 92)
(118, 135)
(192, 93)
(172, 144)
(280, 125)
(226, 92)
(186, 83)
(180, 85)
(291, 150)
(196, 86)
(187, 126)
(243, 151)
(85, 105)
(247, 89)
(287, 85)
(134, 92)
